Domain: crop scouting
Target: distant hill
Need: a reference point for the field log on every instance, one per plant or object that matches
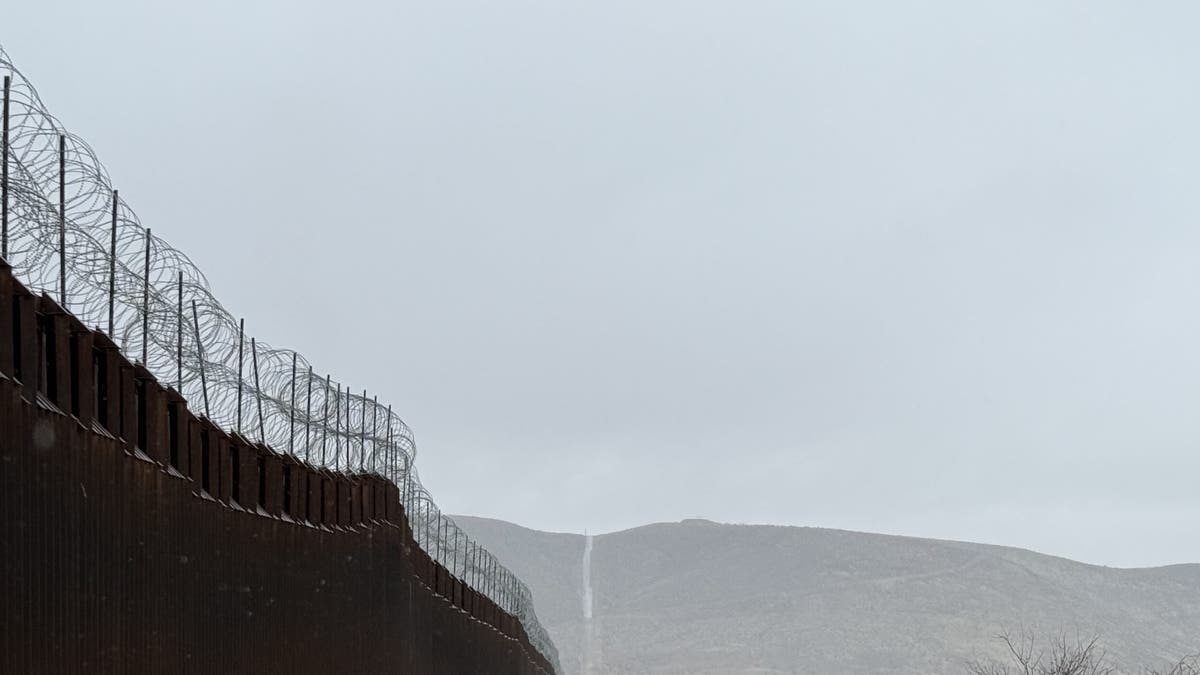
(701, 597)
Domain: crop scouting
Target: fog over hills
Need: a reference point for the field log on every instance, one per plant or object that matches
(702, 597)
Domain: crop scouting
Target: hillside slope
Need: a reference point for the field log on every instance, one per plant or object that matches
(700, 597)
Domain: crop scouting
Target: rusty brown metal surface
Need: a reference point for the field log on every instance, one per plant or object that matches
(136, 537)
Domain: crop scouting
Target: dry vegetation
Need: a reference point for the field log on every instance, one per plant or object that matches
(1061, 655)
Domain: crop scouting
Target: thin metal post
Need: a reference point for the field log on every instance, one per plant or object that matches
(308, 415)
(387, 451)
(442, 539)
(62, 220)
(262, 434)
(362, 440)
(292, 411)
(337, 428)
(406, 493)
(146, 303)
(350, 431)
(179, 343)
(375, 435)
(454, 556)
(200, 352)
(429, 544)
(241, 343)
(112, 269)
(409, 505)
(4, 172)
(325, 421)
(423, 527)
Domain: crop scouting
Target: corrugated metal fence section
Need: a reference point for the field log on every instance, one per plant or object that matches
(136, 537)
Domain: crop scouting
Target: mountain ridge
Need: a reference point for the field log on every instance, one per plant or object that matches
(697, 596)
(707, 521)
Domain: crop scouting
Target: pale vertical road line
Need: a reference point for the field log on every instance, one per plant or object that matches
(587, 604)
(587, 577)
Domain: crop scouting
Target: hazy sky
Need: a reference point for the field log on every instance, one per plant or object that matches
(927, 268)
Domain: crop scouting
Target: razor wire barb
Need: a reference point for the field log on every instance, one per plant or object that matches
(67, 233)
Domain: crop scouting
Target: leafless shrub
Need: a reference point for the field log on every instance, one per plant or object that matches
(1061, 655)
(1188, 665)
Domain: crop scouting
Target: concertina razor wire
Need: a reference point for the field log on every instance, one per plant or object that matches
(156, 305)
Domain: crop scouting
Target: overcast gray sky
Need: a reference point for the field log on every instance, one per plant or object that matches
(927, 268)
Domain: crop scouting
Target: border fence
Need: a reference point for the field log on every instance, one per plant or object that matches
(68, 233)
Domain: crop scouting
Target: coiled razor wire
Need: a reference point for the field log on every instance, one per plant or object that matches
(69, 234)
